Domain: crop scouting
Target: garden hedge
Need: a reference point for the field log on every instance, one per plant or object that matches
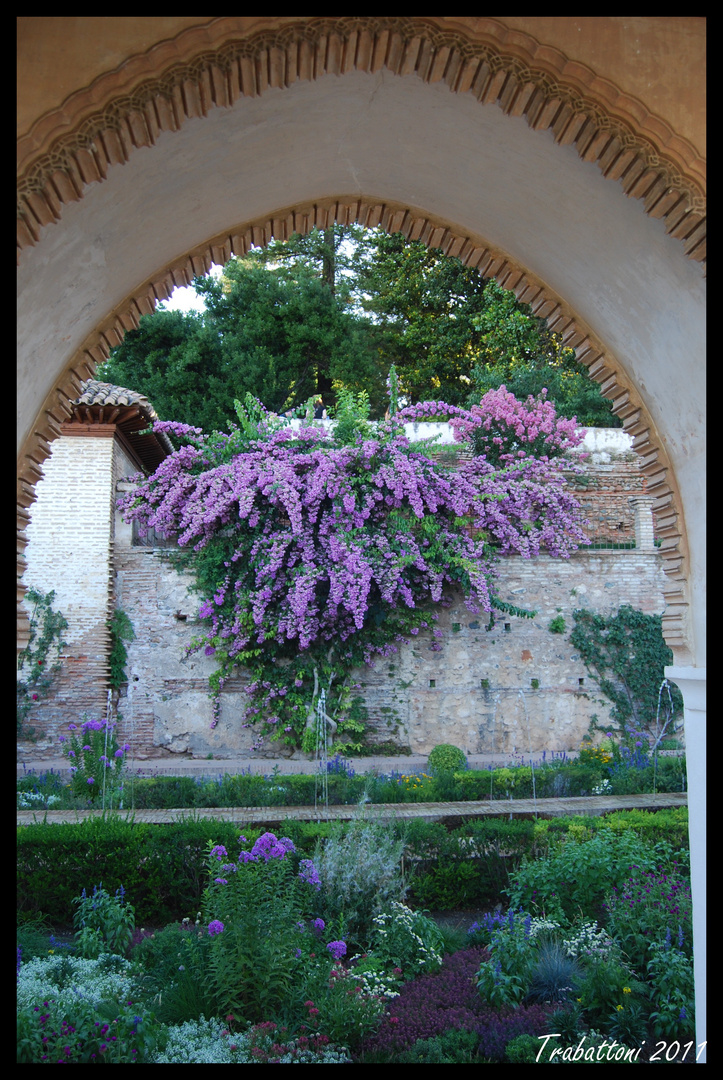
(161, 867)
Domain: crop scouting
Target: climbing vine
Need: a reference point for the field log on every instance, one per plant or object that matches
(317, 551)
(121, 630)
(626, 655)
(39, 661)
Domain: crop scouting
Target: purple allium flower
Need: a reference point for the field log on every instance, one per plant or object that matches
(337, 949)
(215, 927)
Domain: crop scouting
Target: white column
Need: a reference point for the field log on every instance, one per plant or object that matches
(644, 533)
(692, 686)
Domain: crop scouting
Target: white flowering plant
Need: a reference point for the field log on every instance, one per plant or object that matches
(407, 940)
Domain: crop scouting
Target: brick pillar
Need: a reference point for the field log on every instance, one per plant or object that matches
(643, 510)
(69, 550)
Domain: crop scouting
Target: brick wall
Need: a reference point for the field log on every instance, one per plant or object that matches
(70, 551)
(516, 687)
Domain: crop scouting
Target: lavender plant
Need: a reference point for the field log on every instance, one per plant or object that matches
(316, 553)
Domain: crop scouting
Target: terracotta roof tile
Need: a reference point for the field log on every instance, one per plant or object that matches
(94, 392)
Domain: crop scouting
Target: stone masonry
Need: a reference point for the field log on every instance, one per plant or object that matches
(515, 687)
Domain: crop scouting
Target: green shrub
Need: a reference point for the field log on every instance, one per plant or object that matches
(453, 1047)
(103, 923)
(446, 758)
(504, 979)
(174, 961)
(603, 987)
(575, 878)
(407, 939)
(670, 973)
(647, 908)
(670, 825)
(33, 936)
(530, 1050)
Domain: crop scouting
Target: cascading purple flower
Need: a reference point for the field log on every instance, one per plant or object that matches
(343, 548)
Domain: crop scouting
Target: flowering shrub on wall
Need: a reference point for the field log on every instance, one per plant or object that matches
(316, 551)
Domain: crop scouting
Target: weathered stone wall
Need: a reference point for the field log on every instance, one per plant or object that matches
(516, 687)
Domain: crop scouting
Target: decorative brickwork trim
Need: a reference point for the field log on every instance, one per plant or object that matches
(214, 65)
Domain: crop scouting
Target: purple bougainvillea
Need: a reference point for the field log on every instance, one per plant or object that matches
(319, 555)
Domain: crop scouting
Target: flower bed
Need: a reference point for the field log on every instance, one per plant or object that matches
(555, 777)
(322, 959)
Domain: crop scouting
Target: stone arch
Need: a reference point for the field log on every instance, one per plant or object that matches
(163, 85)
(490, 262)
(217, 64)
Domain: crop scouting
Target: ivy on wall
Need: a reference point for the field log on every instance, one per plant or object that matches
(121, 630)
(39, 661)
(626, 656)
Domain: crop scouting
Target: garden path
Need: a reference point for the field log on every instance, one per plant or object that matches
(243, 815)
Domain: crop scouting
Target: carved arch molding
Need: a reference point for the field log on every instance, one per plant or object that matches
(216, 64)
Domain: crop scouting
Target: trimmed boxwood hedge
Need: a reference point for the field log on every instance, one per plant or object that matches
(161, 866)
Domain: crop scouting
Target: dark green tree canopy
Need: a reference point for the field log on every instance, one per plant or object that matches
(334, 310)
